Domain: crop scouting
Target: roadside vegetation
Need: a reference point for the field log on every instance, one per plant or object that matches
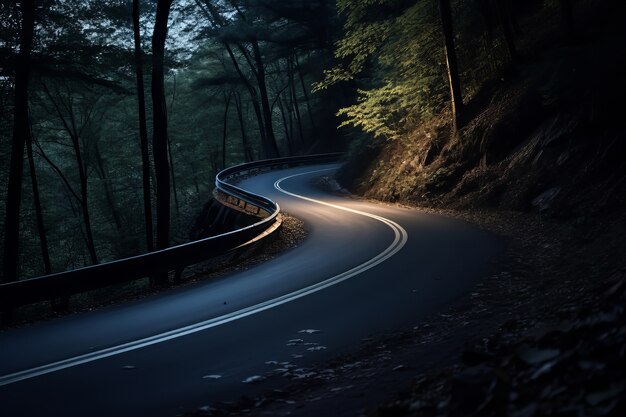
(115, 117)
(537, 127)
(515, 126)
(530, 146)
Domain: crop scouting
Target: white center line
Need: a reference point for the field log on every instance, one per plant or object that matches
(399, 241)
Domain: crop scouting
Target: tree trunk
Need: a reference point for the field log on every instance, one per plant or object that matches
(159, 134)
(225, 127)
(82, 175)
(41, 229)
(262, 111)
(270, 146)
(108, 193)
(159, 138)
(73, 132)
(247, 150)
(173, 177)
(281, 107)
(294, 101)
(304, 92)
(62, 303)
(21, 135)
(143, 130)
(254, 98)
(451, 61)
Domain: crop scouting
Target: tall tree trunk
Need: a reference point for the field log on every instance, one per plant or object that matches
(143, 130)
(451, 61)
(70, 192)
(21, 135)
(285, 126)
(159, 138)
(194, 177)
(294, 100)
(82, 175)
(263, 110)
(172, 176)
(108, 193)
(254, 98)
(225, 127)
(62, 303)
(304, 91)
(247, 150)
(73, 132)
(41, 229)
(271, 147)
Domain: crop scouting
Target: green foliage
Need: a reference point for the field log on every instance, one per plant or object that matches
(392, 51)
(84, 55)
(362, 42)
(391, 48)
(382, 111)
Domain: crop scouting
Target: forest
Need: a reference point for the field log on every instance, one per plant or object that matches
(126, 110)
(116, 115)
(447, 235)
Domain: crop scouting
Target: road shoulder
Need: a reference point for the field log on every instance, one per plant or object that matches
(545, 276)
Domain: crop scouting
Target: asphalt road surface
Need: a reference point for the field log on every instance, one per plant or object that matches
(365, 268)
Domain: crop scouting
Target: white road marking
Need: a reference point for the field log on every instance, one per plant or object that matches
(399, 241)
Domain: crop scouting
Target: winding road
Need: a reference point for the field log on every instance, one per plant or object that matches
(365, 268)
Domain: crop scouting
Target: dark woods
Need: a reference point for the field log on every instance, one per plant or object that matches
(229, 82)
(89, 154)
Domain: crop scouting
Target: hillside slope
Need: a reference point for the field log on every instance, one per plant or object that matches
(546, 137)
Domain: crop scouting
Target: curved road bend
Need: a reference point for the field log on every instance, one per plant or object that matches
(354, 276)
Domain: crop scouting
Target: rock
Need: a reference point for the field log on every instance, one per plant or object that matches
(253, 379)
(535, 356)
(316, 348)
(309, 331)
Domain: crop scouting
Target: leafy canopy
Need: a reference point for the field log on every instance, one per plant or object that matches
(391, 49)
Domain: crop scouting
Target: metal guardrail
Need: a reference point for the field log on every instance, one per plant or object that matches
(245, 198)
(62, 284)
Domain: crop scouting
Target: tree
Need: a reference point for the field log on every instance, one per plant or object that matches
(21, 135)
(251, 53)
(247, 148)
(143, 129)
(159, 138)
(92, 184)
(500, 12)
(389, 54)
(41, 228)
(386, 55)
(451, 61)
(64, 107)
(260, 41)
(227, 99)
